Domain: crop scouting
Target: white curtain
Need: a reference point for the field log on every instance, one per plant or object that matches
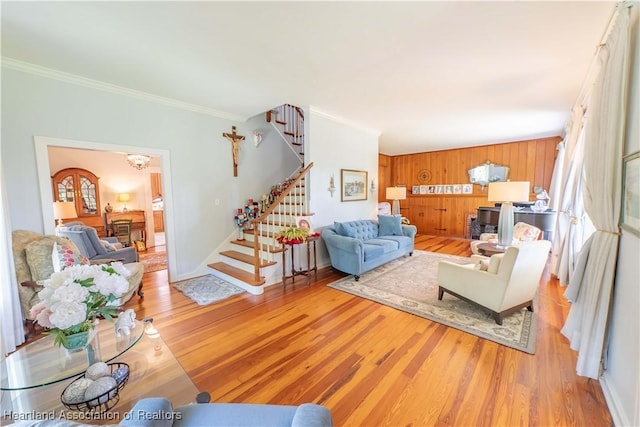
(566, 243)
(11, 315)
(590, 286)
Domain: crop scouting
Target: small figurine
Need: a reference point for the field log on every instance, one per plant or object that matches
(125, 323)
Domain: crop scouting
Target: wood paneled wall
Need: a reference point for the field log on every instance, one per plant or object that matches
(531, 160)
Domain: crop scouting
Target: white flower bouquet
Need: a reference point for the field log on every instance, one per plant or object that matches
(74, 297)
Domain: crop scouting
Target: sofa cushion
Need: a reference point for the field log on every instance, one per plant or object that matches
(81, 240)
(342, 230)
(95, 240)
(235, 414)
(402, 241)
(360, 229)
(387, 244)
(372, 251)
(389, 225)
(64, 256)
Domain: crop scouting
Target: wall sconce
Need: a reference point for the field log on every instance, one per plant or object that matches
(373, 185)
(332, 186)
(257, 137)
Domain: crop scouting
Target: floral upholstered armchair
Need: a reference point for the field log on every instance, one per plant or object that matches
(34, 262)
(522, 232)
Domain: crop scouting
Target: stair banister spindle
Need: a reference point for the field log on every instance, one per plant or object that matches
(263, 218)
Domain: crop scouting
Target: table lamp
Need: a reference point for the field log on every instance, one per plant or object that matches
(124, 198)
(507, 193)
(396, 194)
(64, 210)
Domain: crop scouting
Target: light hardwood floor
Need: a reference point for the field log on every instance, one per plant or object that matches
(372, 365)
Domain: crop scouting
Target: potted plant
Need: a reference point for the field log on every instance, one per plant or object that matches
(292, 236)
(72, 298)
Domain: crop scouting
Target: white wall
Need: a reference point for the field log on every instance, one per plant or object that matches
(201, 162)
(621, 380)
(336, 145)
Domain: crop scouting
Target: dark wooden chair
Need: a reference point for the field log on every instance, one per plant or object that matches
(121, 229)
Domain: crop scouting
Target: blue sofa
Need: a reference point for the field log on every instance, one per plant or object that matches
(226, 414)
(359, 246)
(158, 412)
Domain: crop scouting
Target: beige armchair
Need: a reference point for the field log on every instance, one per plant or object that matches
(32, 254)
(504, 283)
(522, 232)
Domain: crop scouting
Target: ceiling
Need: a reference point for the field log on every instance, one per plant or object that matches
(425, 75)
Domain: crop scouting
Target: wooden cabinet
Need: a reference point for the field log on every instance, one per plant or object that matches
(158, 221)
(156, 186)
(80, 187)
(442, 215)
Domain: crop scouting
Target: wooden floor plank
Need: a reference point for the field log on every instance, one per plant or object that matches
(369, 364)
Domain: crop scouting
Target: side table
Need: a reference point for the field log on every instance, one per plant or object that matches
(311, 242)
(488, 249)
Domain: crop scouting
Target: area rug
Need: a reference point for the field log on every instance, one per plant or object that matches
(205, 290)
(410, 284)
(153, 261)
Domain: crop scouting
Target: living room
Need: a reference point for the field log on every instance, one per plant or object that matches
(201, 192)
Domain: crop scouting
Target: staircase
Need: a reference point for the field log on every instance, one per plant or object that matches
(288, 121)
(247, 259)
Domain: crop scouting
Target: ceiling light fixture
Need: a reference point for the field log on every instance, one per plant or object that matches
(138, 161)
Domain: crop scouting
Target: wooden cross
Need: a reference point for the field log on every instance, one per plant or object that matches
(235, 146)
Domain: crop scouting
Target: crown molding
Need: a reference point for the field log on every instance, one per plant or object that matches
(62, 76)
(342, 120)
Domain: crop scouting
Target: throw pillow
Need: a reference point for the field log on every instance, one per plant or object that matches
(389, 225)
(342, 230)
(108, 246)
(65, 256)
(39, 259)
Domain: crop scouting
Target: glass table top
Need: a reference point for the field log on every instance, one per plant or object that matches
(41, 363)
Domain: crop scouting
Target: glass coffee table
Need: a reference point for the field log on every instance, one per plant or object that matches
(41, 363)
(34, 377)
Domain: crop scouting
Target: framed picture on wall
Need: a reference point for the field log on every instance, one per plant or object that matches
(415, 189)
(353, 185)
(630, 214)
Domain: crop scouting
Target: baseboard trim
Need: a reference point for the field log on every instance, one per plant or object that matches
(610, 396)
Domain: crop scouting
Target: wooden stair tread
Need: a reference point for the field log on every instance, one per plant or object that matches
(237, 273)
(249, 244)
(247, 259)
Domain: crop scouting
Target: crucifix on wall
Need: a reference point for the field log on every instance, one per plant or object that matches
(235, 146)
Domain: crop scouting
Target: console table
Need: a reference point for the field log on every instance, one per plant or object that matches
(138, 222)
(311, 242)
